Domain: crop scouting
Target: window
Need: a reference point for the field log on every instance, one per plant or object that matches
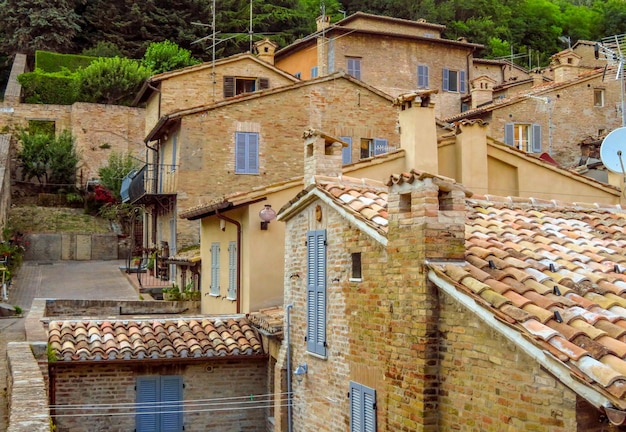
(356, 265)
(598, 97)
(354, 67)
(174, 149)
(246, 153)
(232, 270)
(314, 72)
(160, 406)
(362, 408)
(346, 152)
(215, 269)
(316, 292)
(373, 147)
(453, 81)
(524, 136)
(234, 86)
(298, 75)
(422, 76)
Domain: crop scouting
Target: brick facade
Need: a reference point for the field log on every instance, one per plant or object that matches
(209, 383)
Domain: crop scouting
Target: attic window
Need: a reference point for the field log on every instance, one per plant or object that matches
(445, 200)
(405, 203)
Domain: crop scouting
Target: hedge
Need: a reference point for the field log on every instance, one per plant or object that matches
(57, 88)
(54, 62)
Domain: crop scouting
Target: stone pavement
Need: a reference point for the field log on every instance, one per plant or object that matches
(80, 280)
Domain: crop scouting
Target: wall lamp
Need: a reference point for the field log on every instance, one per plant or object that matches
(266, 214)
(301, 371)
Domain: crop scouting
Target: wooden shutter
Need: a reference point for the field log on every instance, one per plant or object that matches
(362, 408)
(147, 418)
(536, 139)
(215, 268)
(232, 270)
(380, 146)
(445, 77)
(246, 153)
(229, 86)
(316, 292)
(509, 134)
(461, 81)
(264, 83)
(422, 76)
(346, 152)
(171, 408)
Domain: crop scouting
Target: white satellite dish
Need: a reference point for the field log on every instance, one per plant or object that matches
(613, 151)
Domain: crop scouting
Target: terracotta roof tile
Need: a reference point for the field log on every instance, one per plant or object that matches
(156, 339)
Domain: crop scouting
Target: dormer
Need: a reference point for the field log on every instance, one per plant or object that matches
(482, 90)
(565, 65)
(265, 50)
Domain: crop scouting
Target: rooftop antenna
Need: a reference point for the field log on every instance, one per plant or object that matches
(612, 49)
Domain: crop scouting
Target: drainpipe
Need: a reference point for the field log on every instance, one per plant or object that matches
(238, 225)
(289, 408)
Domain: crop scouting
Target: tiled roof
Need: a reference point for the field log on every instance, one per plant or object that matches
(556, 274)
(269, 319)
(153, 339)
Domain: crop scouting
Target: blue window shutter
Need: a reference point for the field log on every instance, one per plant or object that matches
(316, 292)
(380, 146)
(462, 81)
(240, 152)
(356, 408)
(346, 152)
(422, 76)
(171, 408)
(369, 409)
(146, 398)
(536, 145)
(246, 152)
(174, 149)
(215, 268)
(232, 270)
(331, 55)
(314, 72)
(253, 153)
(446, 85)
(509, 134)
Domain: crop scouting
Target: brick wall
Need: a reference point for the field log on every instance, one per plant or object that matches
(209, 381)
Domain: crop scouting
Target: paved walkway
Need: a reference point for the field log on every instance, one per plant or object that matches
(80, 280)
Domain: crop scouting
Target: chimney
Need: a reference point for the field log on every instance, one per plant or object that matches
(482, 91)
(537, 75)
(265, 50)
(322, 155)
(565, 65)
(418, 130)
(471, 155)
(323, 22)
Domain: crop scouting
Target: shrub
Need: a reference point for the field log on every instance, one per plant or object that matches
(166, 56)
(54, 62)
(57, 88)
(118, 166)
(103, 49)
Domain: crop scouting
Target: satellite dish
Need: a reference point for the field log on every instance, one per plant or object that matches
(613, 151)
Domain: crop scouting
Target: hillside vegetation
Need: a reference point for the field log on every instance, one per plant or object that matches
(35, 219)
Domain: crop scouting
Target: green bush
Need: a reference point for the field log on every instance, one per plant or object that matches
(54, 62)
(57, 88)
(103, 49)
(166, 56)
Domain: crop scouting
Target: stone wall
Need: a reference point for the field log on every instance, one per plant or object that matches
(5, 178)
(28, 398)
(73, 246)
(209, 382)
(102, 308)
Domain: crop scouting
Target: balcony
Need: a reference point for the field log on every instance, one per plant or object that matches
(151, 184)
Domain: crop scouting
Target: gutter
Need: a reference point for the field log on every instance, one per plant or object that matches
(550, 363)
(238, 225)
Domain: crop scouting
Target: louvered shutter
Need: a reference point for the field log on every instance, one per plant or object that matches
(253, 153)
(229, 86)
(536, 144)
(461, 81)
(232, 270)
(346, 152)
(422, 76)
(171, 407)
(356, 408)
(146, 419)
(369, 409)
(314, 72)
(445, 77)
(246, 153)
(264, 83)
(509, 134)
(215, 268)
(380, 146)
(331, 55)
(316, 292)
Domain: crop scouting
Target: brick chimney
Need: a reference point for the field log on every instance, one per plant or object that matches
(426, 215)
(322, 155)
(265, 49)
(323, 22)
(565, 65)
(418, 130)
(482, 91)
(537, 75)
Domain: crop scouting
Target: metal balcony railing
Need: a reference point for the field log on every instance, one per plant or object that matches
(152, 179)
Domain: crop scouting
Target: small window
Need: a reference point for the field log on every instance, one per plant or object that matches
(354, 67)
(373, 147)
(454, 81)
(524, 136)
(234, 86)
(405, 202)
(215, 269)
(314, 72)
(598, 97)
(422, 76)
(298, 75)
(356, 265)
(246, 153)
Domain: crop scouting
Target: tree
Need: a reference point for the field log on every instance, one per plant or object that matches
(111, 81)
(166, 56)
(103, 49)
(112, 174)
(29, 25)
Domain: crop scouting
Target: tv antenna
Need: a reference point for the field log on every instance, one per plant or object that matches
(612, 50)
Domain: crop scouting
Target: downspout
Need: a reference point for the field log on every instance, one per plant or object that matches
(289, 407)
(238, 225)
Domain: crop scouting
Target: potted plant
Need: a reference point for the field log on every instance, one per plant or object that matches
(172, 293)
(151, 262)
(189, 294)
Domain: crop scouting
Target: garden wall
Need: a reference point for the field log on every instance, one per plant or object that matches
(73, 246)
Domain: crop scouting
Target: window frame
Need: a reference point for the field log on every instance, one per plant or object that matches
(375, 147)
(353, 67)
(460, 82)
(231, 83)
(316, 292)
(533, 144)
(596, 103)
(422, 76)
(247, 152)
(356, 274)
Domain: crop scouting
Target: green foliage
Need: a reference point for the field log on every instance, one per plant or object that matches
(52, 355)
(166, 56)
(103, 49)
(51, 160)
(18, 310)
(111, 81)
(48, 88)
(54, 62)
(117, 167)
